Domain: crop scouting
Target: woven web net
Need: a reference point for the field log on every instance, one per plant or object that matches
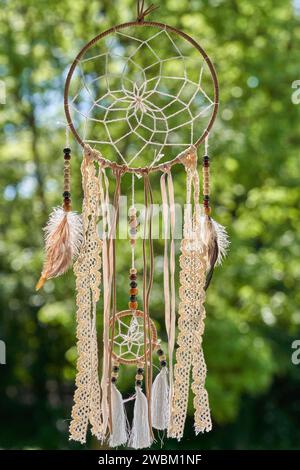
(141, 96)
(129, 338)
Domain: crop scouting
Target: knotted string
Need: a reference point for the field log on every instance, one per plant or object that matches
(141, 13)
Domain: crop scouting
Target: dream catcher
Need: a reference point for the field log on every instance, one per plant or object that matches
(140, 98)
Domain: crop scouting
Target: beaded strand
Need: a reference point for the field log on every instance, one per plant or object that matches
(206, 180)
(139, 375)
(67, 180)
(133, 226)
(162, 358)
(115, 373)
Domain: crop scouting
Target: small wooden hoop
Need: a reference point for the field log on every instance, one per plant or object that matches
(139, 314)
(120, 27)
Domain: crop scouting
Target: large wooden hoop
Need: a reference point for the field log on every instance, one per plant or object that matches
(143, 23)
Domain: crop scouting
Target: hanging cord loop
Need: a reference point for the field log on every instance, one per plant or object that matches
(141, 13)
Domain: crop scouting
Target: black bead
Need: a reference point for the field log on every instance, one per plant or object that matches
(115, 368)
(140, 370)
(206, 198)
(160, 352)
(138, 383)
(113, 380)
(67, 150)
(66, 194)
(163, 363)
(132, 298)
(206, 158)
(133, 284)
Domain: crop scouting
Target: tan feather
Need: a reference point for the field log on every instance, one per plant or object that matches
(63, 238)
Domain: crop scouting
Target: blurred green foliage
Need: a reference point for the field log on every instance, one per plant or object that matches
(253, 312)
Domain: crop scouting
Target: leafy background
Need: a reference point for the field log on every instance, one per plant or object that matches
(253, 312)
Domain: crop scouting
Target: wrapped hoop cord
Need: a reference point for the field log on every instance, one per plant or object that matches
(153, 335)
(179, 158)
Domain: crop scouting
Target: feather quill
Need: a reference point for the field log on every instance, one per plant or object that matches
(63, 239)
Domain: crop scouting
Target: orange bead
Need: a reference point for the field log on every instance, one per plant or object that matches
(207, 210)
(133, 305)
(134, 291)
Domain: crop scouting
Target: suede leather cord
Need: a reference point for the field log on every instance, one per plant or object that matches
(148, 198)
(112, 266)
(166, 181)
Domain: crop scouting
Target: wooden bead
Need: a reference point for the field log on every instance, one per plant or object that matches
(207, 210)
(134, 291)
(133, 305)
(139, 377)
(133, 271)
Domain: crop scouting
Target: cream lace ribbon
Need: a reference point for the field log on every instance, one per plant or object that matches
(86, 406)
(189, 354)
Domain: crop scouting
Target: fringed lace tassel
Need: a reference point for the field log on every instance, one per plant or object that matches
(140, 436)
(63, 233)
(160, 400)
(119, 434)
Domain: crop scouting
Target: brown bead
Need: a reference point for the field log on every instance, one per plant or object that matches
(207, 210)
(132, 277)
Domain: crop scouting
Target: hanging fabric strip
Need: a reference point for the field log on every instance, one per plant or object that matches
(104, 198)
(191, 314)
(86, 406)
(169, 270)
(147, 287)
(112, 294)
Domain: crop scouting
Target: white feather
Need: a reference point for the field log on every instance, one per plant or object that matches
(222, 240)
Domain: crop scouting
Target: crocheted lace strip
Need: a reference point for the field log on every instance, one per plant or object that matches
(189, 354)
(86, 406)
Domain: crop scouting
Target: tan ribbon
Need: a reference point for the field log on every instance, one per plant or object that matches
(112, 293)
(104, 198)
(169, 276)
(147, 287)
